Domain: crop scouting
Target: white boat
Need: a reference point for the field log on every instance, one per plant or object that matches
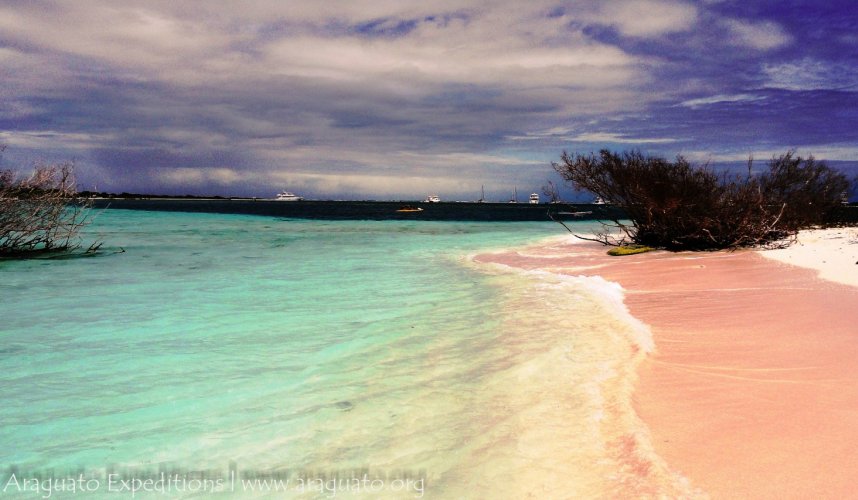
(599, 201)
(432, 199)
(534, 198)
(287, 196)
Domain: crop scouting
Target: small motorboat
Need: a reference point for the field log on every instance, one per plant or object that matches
(409, 208)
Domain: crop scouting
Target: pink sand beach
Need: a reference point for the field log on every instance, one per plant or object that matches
(752, 391)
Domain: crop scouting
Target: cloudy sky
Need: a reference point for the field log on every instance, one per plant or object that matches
(399, 99)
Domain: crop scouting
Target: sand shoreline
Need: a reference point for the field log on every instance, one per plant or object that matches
(753, 389)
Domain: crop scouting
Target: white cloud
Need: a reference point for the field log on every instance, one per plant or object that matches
(482, 43)
(506, 45)
(510, 65)
(8, 55)
(453, 91)
(306, 159)
(810, 74)
(393, 185)
(300, 87)
(648, 18)
(760, 36)
(50, 139)
(566, 135)
(620, 138)
(715, 99)
(502, 45)
(402, 174)
(141, 38)
(824, 152)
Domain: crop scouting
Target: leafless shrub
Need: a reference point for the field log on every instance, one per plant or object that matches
(551, 191)
(678, 206)
(42, 213)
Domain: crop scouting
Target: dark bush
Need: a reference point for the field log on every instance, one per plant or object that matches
(809, 190)
(679, 206)
(41, 214)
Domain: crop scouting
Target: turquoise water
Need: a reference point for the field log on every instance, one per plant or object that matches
(212, 345)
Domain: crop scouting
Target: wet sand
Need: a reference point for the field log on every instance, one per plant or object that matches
(753, 389)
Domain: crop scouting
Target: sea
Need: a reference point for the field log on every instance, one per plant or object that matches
(202, 355)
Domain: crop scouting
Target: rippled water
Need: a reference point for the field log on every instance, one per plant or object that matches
(218, 342)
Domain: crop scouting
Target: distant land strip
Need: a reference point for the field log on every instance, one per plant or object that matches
(387, 210)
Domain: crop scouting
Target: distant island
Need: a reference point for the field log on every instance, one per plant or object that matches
(141, 196)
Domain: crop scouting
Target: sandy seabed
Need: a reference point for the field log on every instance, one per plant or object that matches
(752, 391)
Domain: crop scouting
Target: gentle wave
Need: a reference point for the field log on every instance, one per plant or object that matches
(283, 345)
(583, 369)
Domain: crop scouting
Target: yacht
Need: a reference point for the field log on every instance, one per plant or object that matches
(432, 199)
(287, 196)
(534, 198)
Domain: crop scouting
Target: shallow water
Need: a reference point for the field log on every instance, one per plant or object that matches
(224, 343)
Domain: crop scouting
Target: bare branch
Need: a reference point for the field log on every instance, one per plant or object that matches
(677, 206)
(41, 213)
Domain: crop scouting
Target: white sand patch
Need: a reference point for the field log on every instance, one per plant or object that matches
(833, 252)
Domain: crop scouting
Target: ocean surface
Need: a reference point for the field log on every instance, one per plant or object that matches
(223, 353)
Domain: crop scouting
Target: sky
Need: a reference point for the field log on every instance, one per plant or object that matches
(398, 99)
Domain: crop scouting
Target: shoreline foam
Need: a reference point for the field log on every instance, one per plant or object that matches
(597, 444)
(753, 388)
